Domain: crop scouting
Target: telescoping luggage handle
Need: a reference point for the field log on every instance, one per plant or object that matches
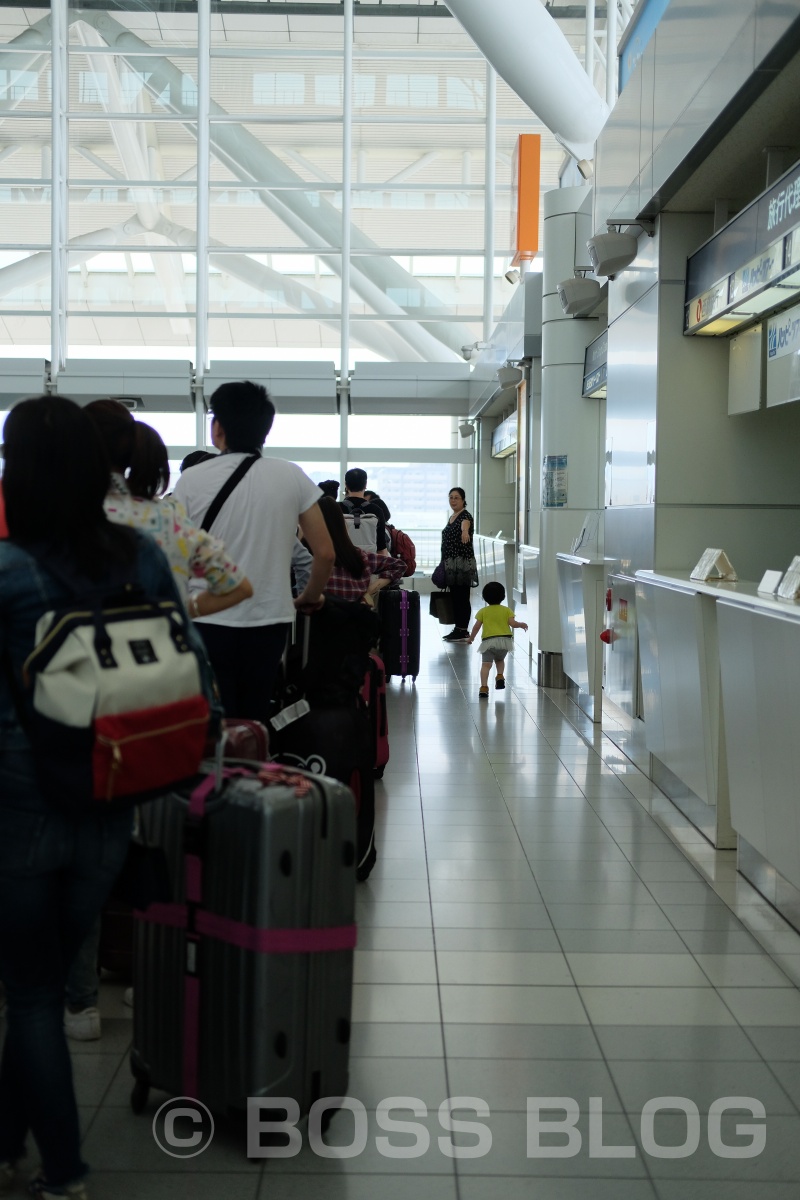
(199, 923)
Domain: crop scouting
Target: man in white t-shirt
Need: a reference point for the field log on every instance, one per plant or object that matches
(258, 524)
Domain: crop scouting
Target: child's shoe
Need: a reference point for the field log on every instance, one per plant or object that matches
(483, 694)
(500, 683)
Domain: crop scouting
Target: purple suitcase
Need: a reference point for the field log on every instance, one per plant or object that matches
(400, 632)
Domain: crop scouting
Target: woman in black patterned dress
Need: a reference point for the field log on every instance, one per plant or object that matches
(460, 567)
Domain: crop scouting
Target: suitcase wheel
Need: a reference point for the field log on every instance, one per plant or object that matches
(140, 1096)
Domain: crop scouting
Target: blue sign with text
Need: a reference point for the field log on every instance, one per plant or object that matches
(640, 30)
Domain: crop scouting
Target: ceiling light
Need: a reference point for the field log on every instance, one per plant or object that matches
(509, 376)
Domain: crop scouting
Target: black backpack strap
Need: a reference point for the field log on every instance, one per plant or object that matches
(224, 492)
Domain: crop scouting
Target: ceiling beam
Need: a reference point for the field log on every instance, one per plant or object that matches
(293, 8)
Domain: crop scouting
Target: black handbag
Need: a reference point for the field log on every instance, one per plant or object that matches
(441, 607)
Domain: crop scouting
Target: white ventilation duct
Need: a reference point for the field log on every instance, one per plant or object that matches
(523, 43)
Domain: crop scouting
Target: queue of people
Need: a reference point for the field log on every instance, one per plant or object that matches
(240, 546)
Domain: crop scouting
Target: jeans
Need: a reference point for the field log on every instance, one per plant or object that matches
(83, 980)
(245, 661)
(462, 606)
(55, 874)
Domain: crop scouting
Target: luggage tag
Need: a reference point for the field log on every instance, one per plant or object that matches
(290, 714)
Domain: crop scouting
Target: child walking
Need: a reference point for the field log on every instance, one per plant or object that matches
(496, 622)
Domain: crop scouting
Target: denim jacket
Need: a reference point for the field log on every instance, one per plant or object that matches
(27, 591)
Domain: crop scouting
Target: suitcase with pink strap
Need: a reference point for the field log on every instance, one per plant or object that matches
(243, 982)
(373, 694)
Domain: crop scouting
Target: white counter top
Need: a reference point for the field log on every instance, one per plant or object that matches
(744, 591)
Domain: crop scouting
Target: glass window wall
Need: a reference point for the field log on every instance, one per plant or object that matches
(266, 279)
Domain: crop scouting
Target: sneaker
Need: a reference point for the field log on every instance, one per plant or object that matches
(453, 636)
(483, 694)
(39, 1187)
(128, 997)
(83, 1026)
(500, 683)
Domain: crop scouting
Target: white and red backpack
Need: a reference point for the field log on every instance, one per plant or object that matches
(119, 710)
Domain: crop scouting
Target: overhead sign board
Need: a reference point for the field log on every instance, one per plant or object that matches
(750, 268)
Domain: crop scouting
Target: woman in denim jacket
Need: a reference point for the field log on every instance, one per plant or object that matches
(55, 870)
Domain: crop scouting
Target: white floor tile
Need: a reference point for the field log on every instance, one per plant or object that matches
(642, 970)
(656, 1006)
(509, 1004)
(502, 968)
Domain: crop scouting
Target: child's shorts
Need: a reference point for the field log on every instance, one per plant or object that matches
(494, 649)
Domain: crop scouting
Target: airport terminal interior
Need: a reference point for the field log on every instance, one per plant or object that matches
(547, 253)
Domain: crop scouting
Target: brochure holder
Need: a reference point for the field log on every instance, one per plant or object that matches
(790, 585)
(714, 566)
(769, 584)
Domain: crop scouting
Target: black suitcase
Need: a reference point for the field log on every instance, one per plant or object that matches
(336, 742)
(400, 632)
(243, 983)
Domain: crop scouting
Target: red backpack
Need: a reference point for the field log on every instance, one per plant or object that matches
(403, 547)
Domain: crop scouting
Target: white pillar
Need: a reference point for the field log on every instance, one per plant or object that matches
(203, 180)
(490, 184)
(589, 53)
(347, 201)
(611, 54)
(59, 201)
(571, 426)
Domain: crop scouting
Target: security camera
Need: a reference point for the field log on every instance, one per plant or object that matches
(612, 252)
(579, 296)
(467, 352)
(513, 275)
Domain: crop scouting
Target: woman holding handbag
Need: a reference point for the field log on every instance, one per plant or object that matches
(458, 563)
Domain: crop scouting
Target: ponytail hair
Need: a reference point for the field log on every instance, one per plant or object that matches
(149, 474)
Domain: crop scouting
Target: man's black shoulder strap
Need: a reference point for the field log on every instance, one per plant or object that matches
(224, 492)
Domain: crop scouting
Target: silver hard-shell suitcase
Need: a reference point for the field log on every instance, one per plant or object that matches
(248, 991)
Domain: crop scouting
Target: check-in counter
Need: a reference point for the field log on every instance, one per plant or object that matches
(496, 560)
(683, 713)
(621, 652)
(581, 602)
(759, 649)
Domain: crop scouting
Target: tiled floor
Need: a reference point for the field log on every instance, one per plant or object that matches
(542, 923)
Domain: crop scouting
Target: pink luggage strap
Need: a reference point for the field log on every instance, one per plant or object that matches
(199, 923)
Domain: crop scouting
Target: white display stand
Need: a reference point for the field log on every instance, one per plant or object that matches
(581, 596)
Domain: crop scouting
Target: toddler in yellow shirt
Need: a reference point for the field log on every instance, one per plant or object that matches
(496, 622)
